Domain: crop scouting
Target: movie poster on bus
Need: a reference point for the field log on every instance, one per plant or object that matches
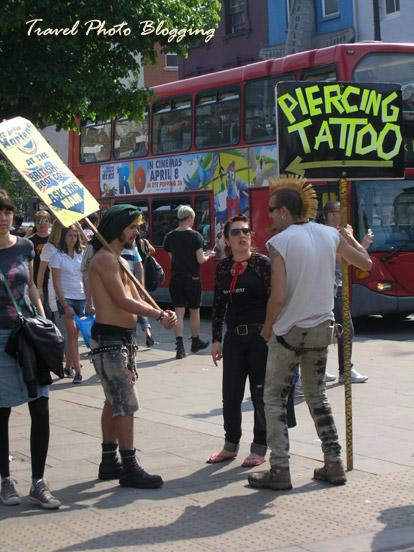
(200, 171)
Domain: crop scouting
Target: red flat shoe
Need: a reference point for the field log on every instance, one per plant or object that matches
(218, 457)
(253, 460)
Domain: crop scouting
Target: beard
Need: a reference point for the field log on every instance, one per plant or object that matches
(129, 244)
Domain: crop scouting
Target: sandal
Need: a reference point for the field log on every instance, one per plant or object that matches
(253, 460)
(218, 457)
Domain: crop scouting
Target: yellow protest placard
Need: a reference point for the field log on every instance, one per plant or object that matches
(45, 172)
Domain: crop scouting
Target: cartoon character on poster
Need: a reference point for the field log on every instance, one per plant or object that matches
(206, 168)
(236, 196)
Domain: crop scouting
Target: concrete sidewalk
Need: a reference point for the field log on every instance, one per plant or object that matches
(205, 507)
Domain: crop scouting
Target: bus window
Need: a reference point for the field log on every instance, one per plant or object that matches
(202, 218)
(327, 74)
(393, 67)
(218, 118)
(387, 207)
(171, 126)
(385, 67)
(259, 106)
(164, 216)
(95, 142)
(131, 138)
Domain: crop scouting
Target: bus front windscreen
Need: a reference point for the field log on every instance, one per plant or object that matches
(387, 208)
(393, 67)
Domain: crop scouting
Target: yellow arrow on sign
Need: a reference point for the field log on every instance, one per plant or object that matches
(298, 166)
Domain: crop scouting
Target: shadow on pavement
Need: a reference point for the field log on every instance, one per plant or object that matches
(399, 517)
(196, 521)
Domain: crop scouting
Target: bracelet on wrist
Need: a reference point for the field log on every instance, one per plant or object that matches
(161, 316)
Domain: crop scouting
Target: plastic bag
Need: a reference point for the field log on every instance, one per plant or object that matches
(85, 324)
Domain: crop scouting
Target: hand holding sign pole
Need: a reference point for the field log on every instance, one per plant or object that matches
(51, 180)
(331, 131)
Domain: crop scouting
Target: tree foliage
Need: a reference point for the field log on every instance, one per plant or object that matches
(19, 192)
(54, 79)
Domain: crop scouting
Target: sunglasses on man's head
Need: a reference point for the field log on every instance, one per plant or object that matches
(238, 231)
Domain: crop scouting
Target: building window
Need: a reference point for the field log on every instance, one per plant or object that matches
(392, 6)
(236, 16)
(330, 7)
(171, 61)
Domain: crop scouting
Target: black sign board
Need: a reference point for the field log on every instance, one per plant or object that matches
(331, 130)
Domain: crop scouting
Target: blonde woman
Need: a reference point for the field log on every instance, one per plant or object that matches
(48, 252)
(70, 292)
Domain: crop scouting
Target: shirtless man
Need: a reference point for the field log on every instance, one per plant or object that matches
(117, 306)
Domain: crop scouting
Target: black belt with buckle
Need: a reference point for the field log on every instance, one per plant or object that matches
(246, 329)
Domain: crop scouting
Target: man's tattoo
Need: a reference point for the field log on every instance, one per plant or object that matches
(273, 252)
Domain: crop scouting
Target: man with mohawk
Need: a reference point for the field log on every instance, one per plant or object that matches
(299, 324)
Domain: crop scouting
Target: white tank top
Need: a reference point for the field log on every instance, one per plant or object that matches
(309, 253)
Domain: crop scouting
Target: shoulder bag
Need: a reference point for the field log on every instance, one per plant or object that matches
(37, 345)
(153, 271)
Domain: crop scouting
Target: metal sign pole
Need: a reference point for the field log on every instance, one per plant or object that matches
(346, 336)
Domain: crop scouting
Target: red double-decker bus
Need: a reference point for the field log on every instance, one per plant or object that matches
(210, 142)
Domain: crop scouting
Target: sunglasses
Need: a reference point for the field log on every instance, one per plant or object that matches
(40, 220)
(273, 208)
(238, 231)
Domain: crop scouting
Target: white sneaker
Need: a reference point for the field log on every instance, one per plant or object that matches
(329, 377)
(356, 377)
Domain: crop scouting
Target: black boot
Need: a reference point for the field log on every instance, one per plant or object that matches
(179, 346)
(134, 475)
(110, 467)
(197, 344)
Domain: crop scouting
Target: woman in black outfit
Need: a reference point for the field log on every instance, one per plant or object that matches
(242, 288)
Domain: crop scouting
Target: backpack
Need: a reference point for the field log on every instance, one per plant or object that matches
(153, 272)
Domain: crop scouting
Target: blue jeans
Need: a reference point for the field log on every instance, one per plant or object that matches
(78, 305)
(144, 322)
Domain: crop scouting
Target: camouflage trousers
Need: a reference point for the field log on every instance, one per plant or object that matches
(309, 348)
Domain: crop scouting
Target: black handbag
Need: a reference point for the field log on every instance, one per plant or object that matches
(37, 345)
(153, 271)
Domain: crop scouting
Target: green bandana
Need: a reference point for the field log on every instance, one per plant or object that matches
(114, 221)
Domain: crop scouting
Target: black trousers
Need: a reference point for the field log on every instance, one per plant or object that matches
(39, 437)
(339, 320)
(246, 356)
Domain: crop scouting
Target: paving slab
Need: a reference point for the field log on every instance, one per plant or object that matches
(205, 507)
